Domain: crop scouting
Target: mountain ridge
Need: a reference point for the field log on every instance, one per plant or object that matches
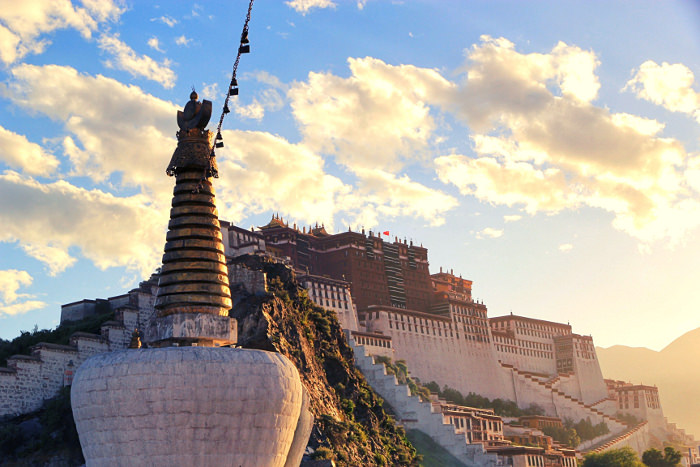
(670, 369)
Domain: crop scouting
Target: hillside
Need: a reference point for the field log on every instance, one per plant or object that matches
(673, 370)
(350, 419)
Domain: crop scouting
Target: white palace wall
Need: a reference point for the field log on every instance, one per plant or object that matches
(435, 351)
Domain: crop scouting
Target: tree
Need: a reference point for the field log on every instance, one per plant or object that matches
(623, 457)
(655, 458)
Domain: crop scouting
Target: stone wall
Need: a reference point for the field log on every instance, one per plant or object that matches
(253, 281)
(28, 380)
(556, 403)
(433, 352)
(637, 438)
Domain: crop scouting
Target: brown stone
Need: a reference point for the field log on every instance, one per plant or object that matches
(196, 243)
(193, 299)
(173, 278)
(193, 265)
(193, 210)
(178, 255)
(187, 232)
(194, 221)
(193, 198)
(197, 287)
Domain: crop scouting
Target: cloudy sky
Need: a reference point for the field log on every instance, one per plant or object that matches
(548, 151)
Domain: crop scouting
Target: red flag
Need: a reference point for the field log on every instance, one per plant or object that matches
(386, 233)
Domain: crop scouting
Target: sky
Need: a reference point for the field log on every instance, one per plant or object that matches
(547, 151)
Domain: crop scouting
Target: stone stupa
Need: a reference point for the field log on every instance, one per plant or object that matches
(191, 398)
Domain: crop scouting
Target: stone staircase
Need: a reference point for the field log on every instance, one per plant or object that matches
(566, 405)
(635, 438)
(425, 416)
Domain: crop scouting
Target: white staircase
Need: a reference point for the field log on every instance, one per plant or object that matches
(411, 412)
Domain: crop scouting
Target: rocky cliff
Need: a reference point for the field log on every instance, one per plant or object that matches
(351, 425)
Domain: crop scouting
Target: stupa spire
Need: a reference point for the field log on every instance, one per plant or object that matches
(193, 297)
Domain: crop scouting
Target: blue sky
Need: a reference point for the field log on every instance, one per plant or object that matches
(548, 151)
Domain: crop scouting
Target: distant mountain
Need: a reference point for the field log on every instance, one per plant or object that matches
(675, 370)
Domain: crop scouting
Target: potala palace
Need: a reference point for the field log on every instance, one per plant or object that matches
(390, 305)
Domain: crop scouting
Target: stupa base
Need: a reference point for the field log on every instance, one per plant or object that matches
(185, 406)
(206, 330)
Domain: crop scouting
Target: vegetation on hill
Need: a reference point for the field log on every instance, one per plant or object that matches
(623, 457)
(42, 437)
(351, 426)
(400, 370)
(61, 335)
(504, 408)
(572, 434)
(655, 458)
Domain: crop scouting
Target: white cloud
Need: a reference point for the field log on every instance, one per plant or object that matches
(21, 307)
(512, 218)
(56, 259)
(183, 41)
(23, 23)
(511, 184)
(11, 280)
(154, 43)
(489, 232)
(19, 153)
(48, 219)
(268, 99)
(566, 247)
(304, 6)
(167, 20)
(542, 145)
(667, 85)
(261, 172)
(210, 91)
(387, 195)
(113, 128)
(125, 58)
(377, 118)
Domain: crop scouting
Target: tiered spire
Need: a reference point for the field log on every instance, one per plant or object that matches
(193, 297)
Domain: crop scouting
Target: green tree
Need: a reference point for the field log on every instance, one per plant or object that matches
(623, 457)
(655, 458)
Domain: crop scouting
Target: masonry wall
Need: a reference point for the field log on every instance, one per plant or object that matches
(253, 281)
(433, 352)
(589, 379)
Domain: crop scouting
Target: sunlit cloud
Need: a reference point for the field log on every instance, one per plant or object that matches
(375, 119)
(112, 128)
(183, 41)
(24, 24)
(565, 247)
(49, 219)
(667, 85)
(142, 66)
(512, 218)
(19, 153)
(167, 20)
(305, 6)
(489, 232)
(154, 43)
(542, 145)
(12, 302)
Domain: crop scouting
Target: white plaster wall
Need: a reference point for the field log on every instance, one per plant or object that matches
(465, 365)
(163, 407)
(590, 381)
